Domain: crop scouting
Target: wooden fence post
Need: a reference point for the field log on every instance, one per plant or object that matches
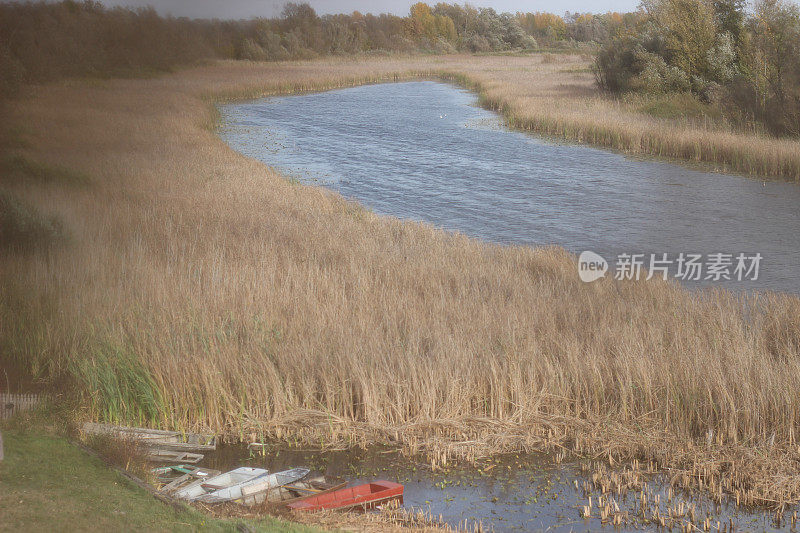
(11, 404)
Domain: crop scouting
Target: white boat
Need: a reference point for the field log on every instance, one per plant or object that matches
(194, 474)
(260, 484)
(202, 487)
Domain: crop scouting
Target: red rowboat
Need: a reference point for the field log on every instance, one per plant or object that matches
(363, 496)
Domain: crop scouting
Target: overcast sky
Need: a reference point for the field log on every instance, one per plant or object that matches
(238, 9)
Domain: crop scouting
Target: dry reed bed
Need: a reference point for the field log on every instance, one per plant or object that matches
(202, 290)
(558, 100)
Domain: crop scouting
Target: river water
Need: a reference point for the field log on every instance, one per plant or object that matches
(425, 151)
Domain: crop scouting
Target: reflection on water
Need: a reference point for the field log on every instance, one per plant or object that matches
(420, 150)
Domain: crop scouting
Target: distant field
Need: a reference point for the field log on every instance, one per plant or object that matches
(174, 282)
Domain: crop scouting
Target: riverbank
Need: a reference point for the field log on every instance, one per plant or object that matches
(48, 482)
(188, 286)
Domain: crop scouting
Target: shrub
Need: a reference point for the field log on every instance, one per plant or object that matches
(251, 51)
(655, 75)
(529, 43)
(478, 43)
(614, 66)
(442, 46)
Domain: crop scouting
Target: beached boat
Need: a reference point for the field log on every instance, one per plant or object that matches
(188, 475)
(158, 438)
(262, 483)
(168, 474)
(202, 487)
(364, 497)
(172, 471)
(289, 493)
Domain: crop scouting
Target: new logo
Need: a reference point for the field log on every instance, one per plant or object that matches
(591, 266)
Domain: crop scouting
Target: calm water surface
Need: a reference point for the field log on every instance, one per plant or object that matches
(508, 493)
(424, 151)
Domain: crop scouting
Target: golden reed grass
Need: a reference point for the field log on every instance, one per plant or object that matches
(202, 290)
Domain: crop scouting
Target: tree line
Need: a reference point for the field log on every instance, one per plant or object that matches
(43, 41)
(744, 61)
(747, 62)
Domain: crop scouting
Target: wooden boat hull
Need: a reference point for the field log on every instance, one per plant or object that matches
(295, 492)
(360, 497)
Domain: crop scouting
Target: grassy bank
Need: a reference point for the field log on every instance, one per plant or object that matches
(48, 483)
(198, 289)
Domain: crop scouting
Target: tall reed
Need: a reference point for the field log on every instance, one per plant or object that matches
(200, 289)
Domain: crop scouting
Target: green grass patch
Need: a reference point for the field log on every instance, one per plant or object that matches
(16, 168)
(49, 484)
(678, 105)
(120, 388)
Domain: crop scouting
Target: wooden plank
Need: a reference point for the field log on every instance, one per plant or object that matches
(169, 456)
(160, 438)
